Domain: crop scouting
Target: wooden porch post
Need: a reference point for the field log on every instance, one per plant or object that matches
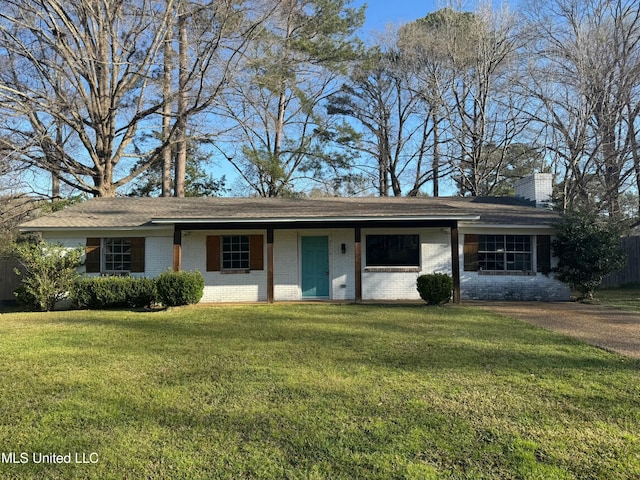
(270, 270)
(455, 262)
(177, 248)
(358, 264)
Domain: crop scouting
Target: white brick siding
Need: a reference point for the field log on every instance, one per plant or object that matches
(388, 285)
(537, 187)
(287, 264)
(376, 285)
(158, 256)
(223, 287)
(537, 286)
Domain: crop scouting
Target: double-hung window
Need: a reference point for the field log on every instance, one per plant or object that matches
(235, 252)
(115, 255)
(505, 252)
(499, 253)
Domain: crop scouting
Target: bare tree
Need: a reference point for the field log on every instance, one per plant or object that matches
(83, 77)
(587, 77)
(81, 71)
(395, 130)
(466, 68)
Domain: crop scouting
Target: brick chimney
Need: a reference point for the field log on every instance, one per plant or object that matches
(537, 188)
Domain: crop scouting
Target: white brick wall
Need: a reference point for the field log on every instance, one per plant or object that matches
(376, 285)
(158, 255)
(158, 247)
(538, 286)
(285, 266)
(537, 187)
(436, 258)
(223, 287)
(287, 263)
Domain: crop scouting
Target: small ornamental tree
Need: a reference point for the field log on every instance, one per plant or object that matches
(48, 271)
(588, 247)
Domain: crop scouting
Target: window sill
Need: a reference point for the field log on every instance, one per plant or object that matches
(235, 271)
(392, 269)
(507, 273)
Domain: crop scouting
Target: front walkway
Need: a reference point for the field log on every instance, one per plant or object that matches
(605, 327)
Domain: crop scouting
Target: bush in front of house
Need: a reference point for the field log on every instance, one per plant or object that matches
(48, 271)
(179, 288)
(588, 246)
(114, 292)
(435, 288)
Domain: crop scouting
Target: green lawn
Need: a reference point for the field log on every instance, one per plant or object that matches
(312, 391)
(624, 298)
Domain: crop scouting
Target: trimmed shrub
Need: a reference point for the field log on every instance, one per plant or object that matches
(180, 288)
(436, 288)
(114, 292)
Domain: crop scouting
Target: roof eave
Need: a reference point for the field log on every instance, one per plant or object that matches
(421, 218)
(92, 228)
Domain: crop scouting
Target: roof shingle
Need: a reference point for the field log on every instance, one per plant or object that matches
(140, 212)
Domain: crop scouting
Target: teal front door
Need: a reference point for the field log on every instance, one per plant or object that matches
(315, 267)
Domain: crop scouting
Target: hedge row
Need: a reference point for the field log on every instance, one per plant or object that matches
(170, 289)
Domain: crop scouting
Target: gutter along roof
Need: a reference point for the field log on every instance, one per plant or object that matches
(129, 213)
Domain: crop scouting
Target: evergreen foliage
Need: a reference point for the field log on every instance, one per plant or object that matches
(114, 292)
(588, 248)
(48, 271)
(180, 288)
(435, 288)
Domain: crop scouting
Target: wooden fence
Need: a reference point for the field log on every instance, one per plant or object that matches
(631, 272)
(9, 281)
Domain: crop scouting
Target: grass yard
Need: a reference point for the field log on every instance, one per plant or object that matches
(624, 298)
(311, 391)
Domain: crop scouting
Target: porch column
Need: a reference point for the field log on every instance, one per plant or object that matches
(455, 262)
(270, 283)
(358, 264)
(177, 248)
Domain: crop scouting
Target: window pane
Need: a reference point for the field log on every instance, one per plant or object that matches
(235, 252)
(504, 253)
(393, 250)
(117, 254)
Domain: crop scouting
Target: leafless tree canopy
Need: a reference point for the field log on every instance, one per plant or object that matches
(96, 92)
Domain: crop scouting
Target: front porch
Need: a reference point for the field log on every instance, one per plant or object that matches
(311, 260)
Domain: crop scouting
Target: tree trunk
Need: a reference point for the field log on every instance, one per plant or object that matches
(166, 115)
(181, 148)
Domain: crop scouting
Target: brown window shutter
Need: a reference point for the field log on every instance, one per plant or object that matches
(543, 253)
(471, 252)
(137, 254)
(256, 252)
(92, 252)
(213, 253)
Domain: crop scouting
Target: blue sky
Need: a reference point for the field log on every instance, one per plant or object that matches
(382, 12)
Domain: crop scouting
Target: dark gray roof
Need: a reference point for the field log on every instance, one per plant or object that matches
(138, 212)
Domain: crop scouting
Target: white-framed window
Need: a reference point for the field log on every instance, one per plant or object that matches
(505, 253)
(235, 252)
(117, 254)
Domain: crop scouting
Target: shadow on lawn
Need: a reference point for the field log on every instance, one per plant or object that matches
(412, 338)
